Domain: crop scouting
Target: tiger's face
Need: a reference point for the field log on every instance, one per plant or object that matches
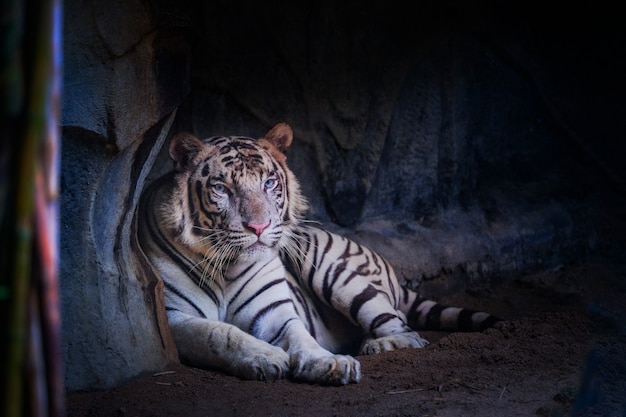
(235, 200)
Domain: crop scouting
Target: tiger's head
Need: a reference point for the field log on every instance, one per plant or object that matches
(234, 198)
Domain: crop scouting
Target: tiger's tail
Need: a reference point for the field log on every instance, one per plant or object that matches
(424, 314)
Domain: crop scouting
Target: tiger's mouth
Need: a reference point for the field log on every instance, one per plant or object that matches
(258, 244)
(258, 249)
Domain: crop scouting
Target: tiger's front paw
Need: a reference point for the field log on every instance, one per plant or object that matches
(326, 370)
(266, 364)
(392, 342)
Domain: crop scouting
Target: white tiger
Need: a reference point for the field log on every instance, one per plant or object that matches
(252, 289)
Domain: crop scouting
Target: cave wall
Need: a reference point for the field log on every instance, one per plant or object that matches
(466, 142)
(123, 79)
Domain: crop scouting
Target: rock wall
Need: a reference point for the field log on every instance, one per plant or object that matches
(124, 78)
(466, 142)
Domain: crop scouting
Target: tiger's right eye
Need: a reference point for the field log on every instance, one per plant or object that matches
(219, 188)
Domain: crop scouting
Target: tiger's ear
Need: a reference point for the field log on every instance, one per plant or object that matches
(280, 136)
(184, 148)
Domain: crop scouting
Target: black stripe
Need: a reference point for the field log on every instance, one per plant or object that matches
(312, 243)
(299, 261)
(259, 315)
(489, 322)
(376, 261)
(245, 271)
(367, 294)
(216, 140)
(297, 293)
(379, 321)
(433, 317)
(225, 149)
(191, 206)
(413, 314)
(281, 332)
(256, 294)
(208, 214)
(244, 285)
(285, 179)
(243, 143)
(391, 282)
(181, 295)
(346, 253)
(347, 280)
(360, 270)
(405, 299)
(330, 277)
(465, 322)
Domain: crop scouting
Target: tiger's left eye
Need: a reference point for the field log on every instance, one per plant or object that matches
(270, 184)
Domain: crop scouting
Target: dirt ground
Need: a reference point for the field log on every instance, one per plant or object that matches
(561, 352)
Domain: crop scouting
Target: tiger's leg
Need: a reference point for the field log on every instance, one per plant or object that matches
(279, 346)
(375, 306)
(279, 324)
(363, 287)
(308, 360)
(214, 344)
(385, 327)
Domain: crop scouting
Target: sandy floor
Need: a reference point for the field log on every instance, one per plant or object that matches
(561, 352)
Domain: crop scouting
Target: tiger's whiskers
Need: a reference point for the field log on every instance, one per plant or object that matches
(217, 256)
(294, 250)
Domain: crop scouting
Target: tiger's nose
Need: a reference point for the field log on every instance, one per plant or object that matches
(257, 228)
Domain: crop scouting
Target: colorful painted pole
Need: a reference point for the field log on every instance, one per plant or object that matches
(31, 71)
